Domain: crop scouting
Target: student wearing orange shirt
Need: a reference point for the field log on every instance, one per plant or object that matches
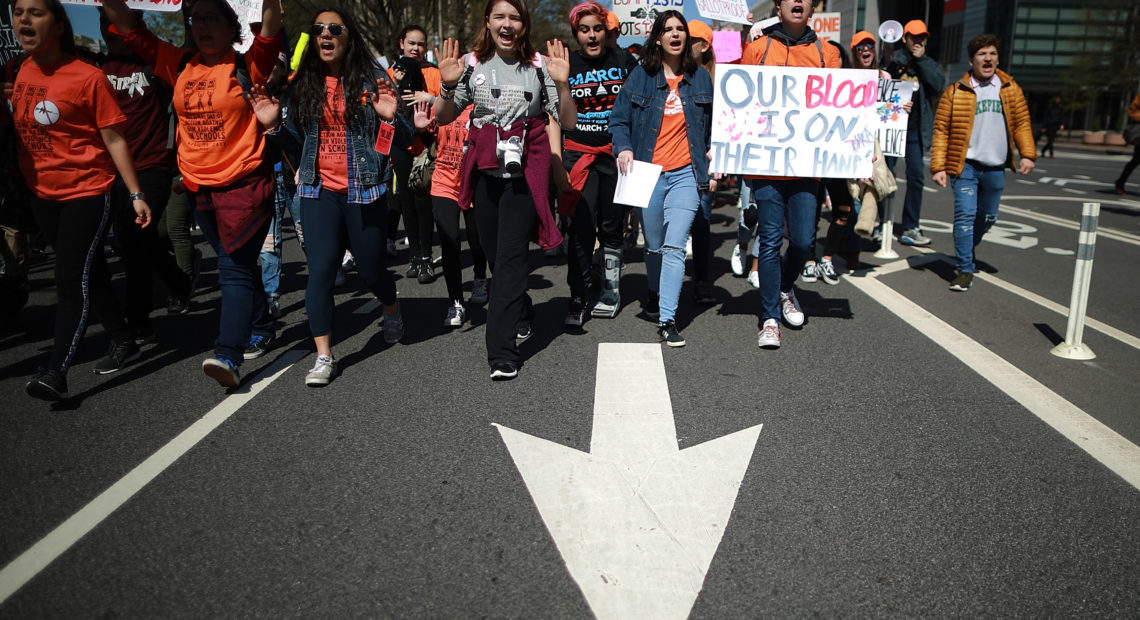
(221, 153)
(65, 116)
(670, 126)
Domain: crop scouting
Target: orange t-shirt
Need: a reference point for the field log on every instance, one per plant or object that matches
(332, 158)
(449, 157)
(58, 112)
(672, 148)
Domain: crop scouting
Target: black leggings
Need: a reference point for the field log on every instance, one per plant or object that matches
(596, 217)
(76, 229)
(446, 213)
(415, 207)
(841, 207)
(1130, 166)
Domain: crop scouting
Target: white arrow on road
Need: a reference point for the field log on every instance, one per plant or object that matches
(637, 520)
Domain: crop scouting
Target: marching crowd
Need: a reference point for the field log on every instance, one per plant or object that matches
(522, 146)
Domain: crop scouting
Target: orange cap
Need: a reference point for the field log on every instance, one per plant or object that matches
(861, 37)
(612, 21)
(916, 27)
(700, 30)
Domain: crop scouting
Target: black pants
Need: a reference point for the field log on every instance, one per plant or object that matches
(174, 226)
(77, 229)
(446, 212)
(506, 218)
(596, 218)
(1130, 166)
(143, 249)
(415, 207)
(842, 206)
(1050, 136)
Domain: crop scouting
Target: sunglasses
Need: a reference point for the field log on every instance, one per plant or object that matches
(334, 29)
(865, 47)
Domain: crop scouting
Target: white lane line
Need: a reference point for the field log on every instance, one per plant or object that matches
(1074, 191)
(29, 564)
(1101, 231)
(1127, 204)
(1090, 435)
(368, 307)
(1026, 182)
(901, 265)
(1028, 295)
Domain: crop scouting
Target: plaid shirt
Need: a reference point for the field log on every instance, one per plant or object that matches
(357, 193)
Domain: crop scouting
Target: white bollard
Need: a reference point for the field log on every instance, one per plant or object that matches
(888, 230)
(1072, 348)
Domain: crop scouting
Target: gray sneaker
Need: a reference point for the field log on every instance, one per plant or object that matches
(322, 373)
(914, 236)
(394, 327)
(456, 315)
(479, 291)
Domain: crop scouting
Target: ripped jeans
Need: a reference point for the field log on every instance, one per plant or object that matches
(666, 223)
(977, 192)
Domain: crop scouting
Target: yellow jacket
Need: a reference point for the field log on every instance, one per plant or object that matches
(954, 123)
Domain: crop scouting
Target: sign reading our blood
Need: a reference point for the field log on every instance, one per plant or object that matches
(826, 25)
(165, 6)
(794, 121)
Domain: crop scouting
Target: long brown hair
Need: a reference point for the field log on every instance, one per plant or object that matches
(485, 45)
(652, 55)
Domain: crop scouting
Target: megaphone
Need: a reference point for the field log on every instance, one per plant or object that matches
(890, 31)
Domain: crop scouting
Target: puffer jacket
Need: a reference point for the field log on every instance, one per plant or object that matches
(954, 123)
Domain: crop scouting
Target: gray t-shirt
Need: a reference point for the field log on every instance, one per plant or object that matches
(989, 143)
(504, 91)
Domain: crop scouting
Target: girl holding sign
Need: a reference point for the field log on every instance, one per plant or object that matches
(340, 125)
(663, 116)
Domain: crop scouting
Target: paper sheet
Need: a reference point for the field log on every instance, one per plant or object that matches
(636, 188)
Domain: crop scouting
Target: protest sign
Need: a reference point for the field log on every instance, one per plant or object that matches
(9, 46)
(890, 129)
(248, 12)
(726, 45)
(165, 6)
(826, 26)
(637, 16)
(735, 11)
(794, 121)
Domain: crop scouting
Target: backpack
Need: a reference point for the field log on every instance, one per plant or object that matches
(419, 179)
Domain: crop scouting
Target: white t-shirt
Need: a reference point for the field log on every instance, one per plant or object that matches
(989, 144)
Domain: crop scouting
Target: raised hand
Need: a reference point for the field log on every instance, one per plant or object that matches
(558, 61)
(417, 97)
(384, 100)
(421, 116)
(267, 109)
(449, 68)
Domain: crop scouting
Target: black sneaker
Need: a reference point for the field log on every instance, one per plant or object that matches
(275, 309)
(653, 305)
(522, 333)
(961, 281)
(118, 356)
(503, 371)
(426, 273)
(576, 313)
(703, 293)
(668, 334)
(142, 335)
(413, 267)
(258, 345)
(49, 385)
(174, 305)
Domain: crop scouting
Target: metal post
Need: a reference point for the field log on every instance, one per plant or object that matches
(1072, 348)
(888, 230)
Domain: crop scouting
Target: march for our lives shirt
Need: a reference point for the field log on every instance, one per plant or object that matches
(989, 143)
(594, 84)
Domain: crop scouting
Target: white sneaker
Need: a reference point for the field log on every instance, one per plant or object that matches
(826, 270)
(737, 261)
(809, 273)
(769, 336)
(456, 316)
(790, 307)
(754, 279)
(322, 372)
(348, 263)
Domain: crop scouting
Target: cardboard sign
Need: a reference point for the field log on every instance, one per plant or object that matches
(384, 135)
(637, 16)
(794, 121)
(9, 46)
(248, 12)
(726, 45)
(164, 6)
(735, 11)
(826, 26)
(890, 128)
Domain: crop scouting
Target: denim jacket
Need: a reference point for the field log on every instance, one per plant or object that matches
(371, 167)
(636, 117)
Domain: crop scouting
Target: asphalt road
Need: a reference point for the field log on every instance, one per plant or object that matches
(897, 473)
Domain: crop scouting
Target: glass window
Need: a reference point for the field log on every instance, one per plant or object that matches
(1070, 30)
(1023, 27)
(1042, 30)
(1068, 45)
(1022, 12)
(1070, 15)
(1044, 13)
(1039, 45)
(1039, 60)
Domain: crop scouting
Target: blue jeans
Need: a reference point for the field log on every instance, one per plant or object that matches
(244, 311)
(912, 205)
(977, 192)
(271, 248)
(793, 202)
(666, 223)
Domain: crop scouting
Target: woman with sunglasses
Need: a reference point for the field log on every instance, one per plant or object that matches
(221, 154)
(341, 121)
(670, 125)
(69, 148)
(512, 90)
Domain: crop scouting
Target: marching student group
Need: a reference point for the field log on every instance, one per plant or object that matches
(522, 146)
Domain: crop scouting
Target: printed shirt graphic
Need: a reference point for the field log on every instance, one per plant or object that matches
(145, 101)
(57, 115)
(332, 159)
(989, 144)
(450, 143)
(594, 84)
(672, 148)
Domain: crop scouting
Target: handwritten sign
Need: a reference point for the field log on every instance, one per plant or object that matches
(794, 121)
(165, 6)
(735, 11)
(826, 26)
(726, 45)
(248, 12)
(890, 130)
(9, 46)
(637, 16)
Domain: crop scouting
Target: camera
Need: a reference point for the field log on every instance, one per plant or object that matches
(510, 153)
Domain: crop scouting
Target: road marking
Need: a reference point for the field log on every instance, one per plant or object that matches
(1127, 204)
(1101, 231)
(1090, 435)
(637, 520)
(29, 564)
(909, 262)
(368, 307)
(1025, 182)
(1045, 180)
(1074, 191)
(1082, 176)
(1059, 251)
